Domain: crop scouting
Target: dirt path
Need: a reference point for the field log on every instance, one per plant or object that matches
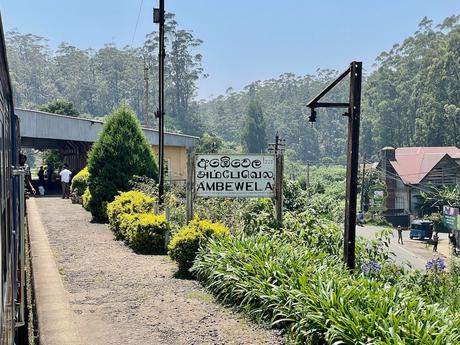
(118, 297)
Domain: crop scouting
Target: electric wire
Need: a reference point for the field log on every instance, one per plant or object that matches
(425, 187)
(137, 22)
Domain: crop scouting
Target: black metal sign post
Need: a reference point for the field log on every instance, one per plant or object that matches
(354, 111)
(159, 17)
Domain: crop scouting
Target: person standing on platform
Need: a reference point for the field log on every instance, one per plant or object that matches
(435, 242)
(65, 181)
(41, 176)
(28, 175)
(400, 238)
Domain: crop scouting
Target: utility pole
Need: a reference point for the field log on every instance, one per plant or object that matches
(159, 17)
(362, 183)
(308, 178)
(278, 148)
(145, 105)
(354, 111)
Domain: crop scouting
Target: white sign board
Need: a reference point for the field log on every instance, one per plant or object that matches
(235, 176)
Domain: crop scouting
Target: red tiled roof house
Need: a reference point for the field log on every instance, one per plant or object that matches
(407, 171)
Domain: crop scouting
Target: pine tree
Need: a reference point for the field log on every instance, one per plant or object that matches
(120, 152)
(253, 137)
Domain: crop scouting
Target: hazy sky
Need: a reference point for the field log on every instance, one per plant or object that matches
(243, 40)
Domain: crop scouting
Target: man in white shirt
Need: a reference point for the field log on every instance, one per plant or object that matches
(65, 181)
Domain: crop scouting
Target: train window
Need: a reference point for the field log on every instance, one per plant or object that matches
(3, 206)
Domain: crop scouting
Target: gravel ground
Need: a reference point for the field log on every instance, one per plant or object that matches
(119, 297)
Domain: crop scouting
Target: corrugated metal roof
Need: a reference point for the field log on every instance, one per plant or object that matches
(414, 163)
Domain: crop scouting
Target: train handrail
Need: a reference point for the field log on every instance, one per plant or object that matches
(20, 173)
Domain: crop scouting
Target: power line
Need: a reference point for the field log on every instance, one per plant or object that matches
(137, 22)
(426, 172)
(424, 188)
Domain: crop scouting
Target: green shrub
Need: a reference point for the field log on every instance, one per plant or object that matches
(128, 202)
(185, 243)
(86, 199)
(144, 184)
(80, 182)
(120, 152)
(144, 232)
(375, 219)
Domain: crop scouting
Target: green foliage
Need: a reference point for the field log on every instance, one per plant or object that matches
(209, 144)
(96, 81)
(120, 152)
(436, 198)
(131, 202)
(437, 219)
(145, 185)
(185, 243)
(86, 199)
(53, 157)
(60, 106)
(294, 197)
(253, 137)
(80, 182)
(412, 97)
(259, 215)
(314, 298)
(144, 232)
(375, 219)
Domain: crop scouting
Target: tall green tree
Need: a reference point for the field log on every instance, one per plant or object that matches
(408, 99)
(60, 106)
(253, 136)
(120, 152)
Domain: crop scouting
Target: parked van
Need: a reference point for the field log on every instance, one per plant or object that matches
(421, 229)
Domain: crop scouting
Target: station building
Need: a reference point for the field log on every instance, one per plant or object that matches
(74, 136)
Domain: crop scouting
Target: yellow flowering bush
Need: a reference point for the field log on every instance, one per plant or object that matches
(144, 232)
(186, 242)
(128, 203)
(80, 182)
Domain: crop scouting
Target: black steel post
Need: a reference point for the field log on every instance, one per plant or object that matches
(161, 102)
(354, 111)
(362, 183)
(352, 163)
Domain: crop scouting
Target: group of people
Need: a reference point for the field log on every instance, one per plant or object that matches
(65, 175)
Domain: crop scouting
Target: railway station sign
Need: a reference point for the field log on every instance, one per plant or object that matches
(235, 176)
(451, 218)
(377, 196)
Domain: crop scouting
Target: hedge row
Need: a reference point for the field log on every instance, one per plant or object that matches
(131, 219)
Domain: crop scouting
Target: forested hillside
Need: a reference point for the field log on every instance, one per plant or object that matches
(96, 81)
(410, 97)
(413, 98)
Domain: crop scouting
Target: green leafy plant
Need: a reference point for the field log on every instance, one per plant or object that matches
(314, 298)
(144, 184)
(120, 152)
(128, 203)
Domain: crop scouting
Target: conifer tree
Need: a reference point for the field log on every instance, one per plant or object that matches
(120, 152)
(253, 137)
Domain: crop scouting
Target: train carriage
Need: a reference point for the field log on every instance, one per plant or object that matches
(12, 206)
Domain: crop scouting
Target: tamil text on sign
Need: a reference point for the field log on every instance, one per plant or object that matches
(235, 176)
